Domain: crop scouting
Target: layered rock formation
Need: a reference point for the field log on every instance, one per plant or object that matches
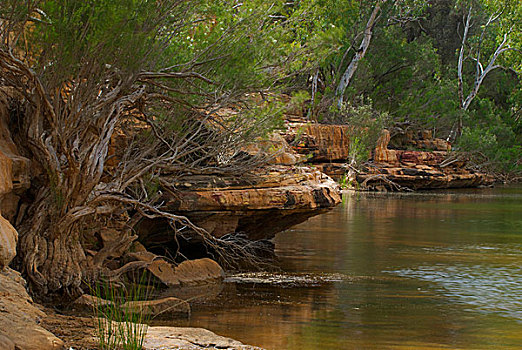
(327, 147)
(14, 178)
(396, 169)
(408, 160)
(258, 206)
(19, 316)
(15, 170)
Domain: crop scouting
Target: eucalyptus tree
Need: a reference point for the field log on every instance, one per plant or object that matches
(339, 34)
(490, 40)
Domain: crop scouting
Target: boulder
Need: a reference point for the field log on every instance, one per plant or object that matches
(199, 271)
(170, 338)
(88, 303)
(6, 173)
(140, 256)
(188, 273)
(20, 317)
(8, 240)
(137, 247)
(164, 272)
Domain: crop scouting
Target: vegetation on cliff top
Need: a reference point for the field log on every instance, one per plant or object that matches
(154, 74)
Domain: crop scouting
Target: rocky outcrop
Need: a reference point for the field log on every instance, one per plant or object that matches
(396, 169)
(258, 206)
(20, 317)
(320, 143)
(6, 343)
(14, 179)
(405, 160)
(171, 338)
(327, 147)
(15, 170)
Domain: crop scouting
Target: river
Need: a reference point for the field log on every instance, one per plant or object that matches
(424, 270)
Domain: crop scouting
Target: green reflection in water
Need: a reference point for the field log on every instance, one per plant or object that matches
(434, 270)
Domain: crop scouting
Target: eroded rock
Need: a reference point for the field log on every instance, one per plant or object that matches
(8, 240)
(413, 169)
(165, 307)
(404, 160)
(88, 303)
(321, 143)
(259, 206)
(188, 273)
(272, 202)
(192, 272)
(15, 170)
(6, 343)
(170, 338)
(164, 272)
(19, 316)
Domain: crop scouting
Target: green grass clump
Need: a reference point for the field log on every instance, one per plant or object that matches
(119, 325)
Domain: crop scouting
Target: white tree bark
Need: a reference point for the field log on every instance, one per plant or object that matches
(359, 55)
(481, 72)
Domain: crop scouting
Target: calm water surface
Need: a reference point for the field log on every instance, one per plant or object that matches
(434, 270)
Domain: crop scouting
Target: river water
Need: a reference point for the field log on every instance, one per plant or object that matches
(425, 270)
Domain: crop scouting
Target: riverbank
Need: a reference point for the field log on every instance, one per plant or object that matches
(79, 333)
(27, 325)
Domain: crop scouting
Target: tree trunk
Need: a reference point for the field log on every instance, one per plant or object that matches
(53, 260)
(481, 72)
(359, 55)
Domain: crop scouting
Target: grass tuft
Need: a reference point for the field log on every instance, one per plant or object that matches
(119, 325)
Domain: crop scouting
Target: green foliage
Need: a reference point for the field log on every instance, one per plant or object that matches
(409, 71)
(74, 34)
(497, 154)
(366, 125)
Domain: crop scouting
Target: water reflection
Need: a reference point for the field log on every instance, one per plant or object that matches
(424, 270)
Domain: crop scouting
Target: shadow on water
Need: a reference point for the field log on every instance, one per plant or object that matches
(432, 270)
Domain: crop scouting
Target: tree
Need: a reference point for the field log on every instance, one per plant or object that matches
(81, 75)
(475, 50)
(346, 77)
(340, 34)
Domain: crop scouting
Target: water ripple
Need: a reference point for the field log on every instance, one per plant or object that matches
(487, 288)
